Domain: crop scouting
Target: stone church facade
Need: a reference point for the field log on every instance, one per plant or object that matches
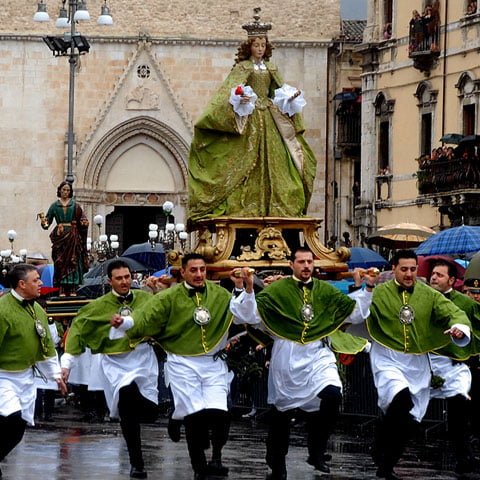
(137, 95)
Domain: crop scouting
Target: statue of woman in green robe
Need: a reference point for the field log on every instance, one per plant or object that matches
(69, 240)
(248, 158)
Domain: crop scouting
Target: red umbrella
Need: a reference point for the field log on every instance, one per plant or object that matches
(425, 266)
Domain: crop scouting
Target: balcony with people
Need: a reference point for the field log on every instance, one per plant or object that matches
(450, 169)
(424, 37)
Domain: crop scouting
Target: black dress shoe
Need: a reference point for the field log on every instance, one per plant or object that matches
(216, 468)
(138, 472)
(381, 473)
(276, 476)
(319, 465)
(174, 429)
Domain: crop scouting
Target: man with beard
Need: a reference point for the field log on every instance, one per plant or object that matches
(129, 368)
(454, 375)
(408, 319)
(190, 321)
(304, 314)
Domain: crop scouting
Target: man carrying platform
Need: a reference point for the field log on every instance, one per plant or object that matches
(129, 368)
(304, 316)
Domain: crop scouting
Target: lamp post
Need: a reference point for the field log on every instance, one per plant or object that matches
(8, 257)
(70, 45)
(105, 247)
(170, 234)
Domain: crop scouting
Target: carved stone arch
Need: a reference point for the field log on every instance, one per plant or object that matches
(468, 86)
(142, 129)
(383, 105)
(425, 94)
(463, 79)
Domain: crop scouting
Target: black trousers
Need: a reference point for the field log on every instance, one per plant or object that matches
(208, 426)
(319, 424)
(12, 429)
(458, 429)
(393, 431)
(134, 409)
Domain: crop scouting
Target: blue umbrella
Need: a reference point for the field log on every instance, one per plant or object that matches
(365, 258)
(46, 274)
(452, 241)
(154, 258)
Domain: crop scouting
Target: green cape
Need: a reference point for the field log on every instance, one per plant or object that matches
(433, 315)
(280, 305)
(472, 309)
(20, 345)
(91, 326)
(168, 317)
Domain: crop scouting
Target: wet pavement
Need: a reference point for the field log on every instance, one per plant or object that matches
(67, 449)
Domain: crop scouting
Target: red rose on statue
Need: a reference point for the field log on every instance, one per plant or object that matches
(239, 90)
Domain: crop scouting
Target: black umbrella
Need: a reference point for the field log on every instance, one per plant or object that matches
(470, 140)
(453, 138)
(152, 257)
(100, 269)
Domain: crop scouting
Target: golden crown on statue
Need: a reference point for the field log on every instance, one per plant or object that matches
(256, 28)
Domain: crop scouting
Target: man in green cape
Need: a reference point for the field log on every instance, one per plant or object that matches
(304, 315)
(25, 341)
(191, 322)
(456, 376)
(408, 320)
(129, 369)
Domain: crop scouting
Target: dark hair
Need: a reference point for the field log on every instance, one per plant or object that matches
(116, 264)
(245, 49)
(19, 272)
(452, 271)
(191, 256)
(61, 186)
(403, 254)
(294, 252)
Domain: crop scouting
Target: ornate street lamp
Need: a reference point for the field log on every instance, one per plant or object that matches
(105, 247)
(70, 45)
(8, 258)
(170, 234)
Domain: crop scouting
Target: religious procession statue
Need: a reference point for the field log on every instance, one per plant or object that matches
(251, 171)
(69, 240)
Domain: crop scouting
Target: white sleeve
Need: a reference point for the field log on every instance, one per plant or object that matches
(50, 368)
(362, 308)
(462, 342)
(67, 360)
(244, 309)
(119, 332)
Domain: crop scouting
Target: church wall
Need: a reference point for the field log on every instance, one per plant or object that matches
(34, 105)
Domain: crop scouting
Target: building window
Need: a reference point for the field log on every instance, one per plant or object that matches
(469, 119)
(468, 92)
(471, 7)
(427, 100)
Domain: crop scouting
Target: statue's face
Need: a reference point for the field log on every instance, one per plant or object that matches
(65, 191)
(258, 48)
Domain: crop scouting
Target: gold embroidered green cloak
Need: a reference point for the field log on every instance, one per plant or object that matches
(258, 166)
